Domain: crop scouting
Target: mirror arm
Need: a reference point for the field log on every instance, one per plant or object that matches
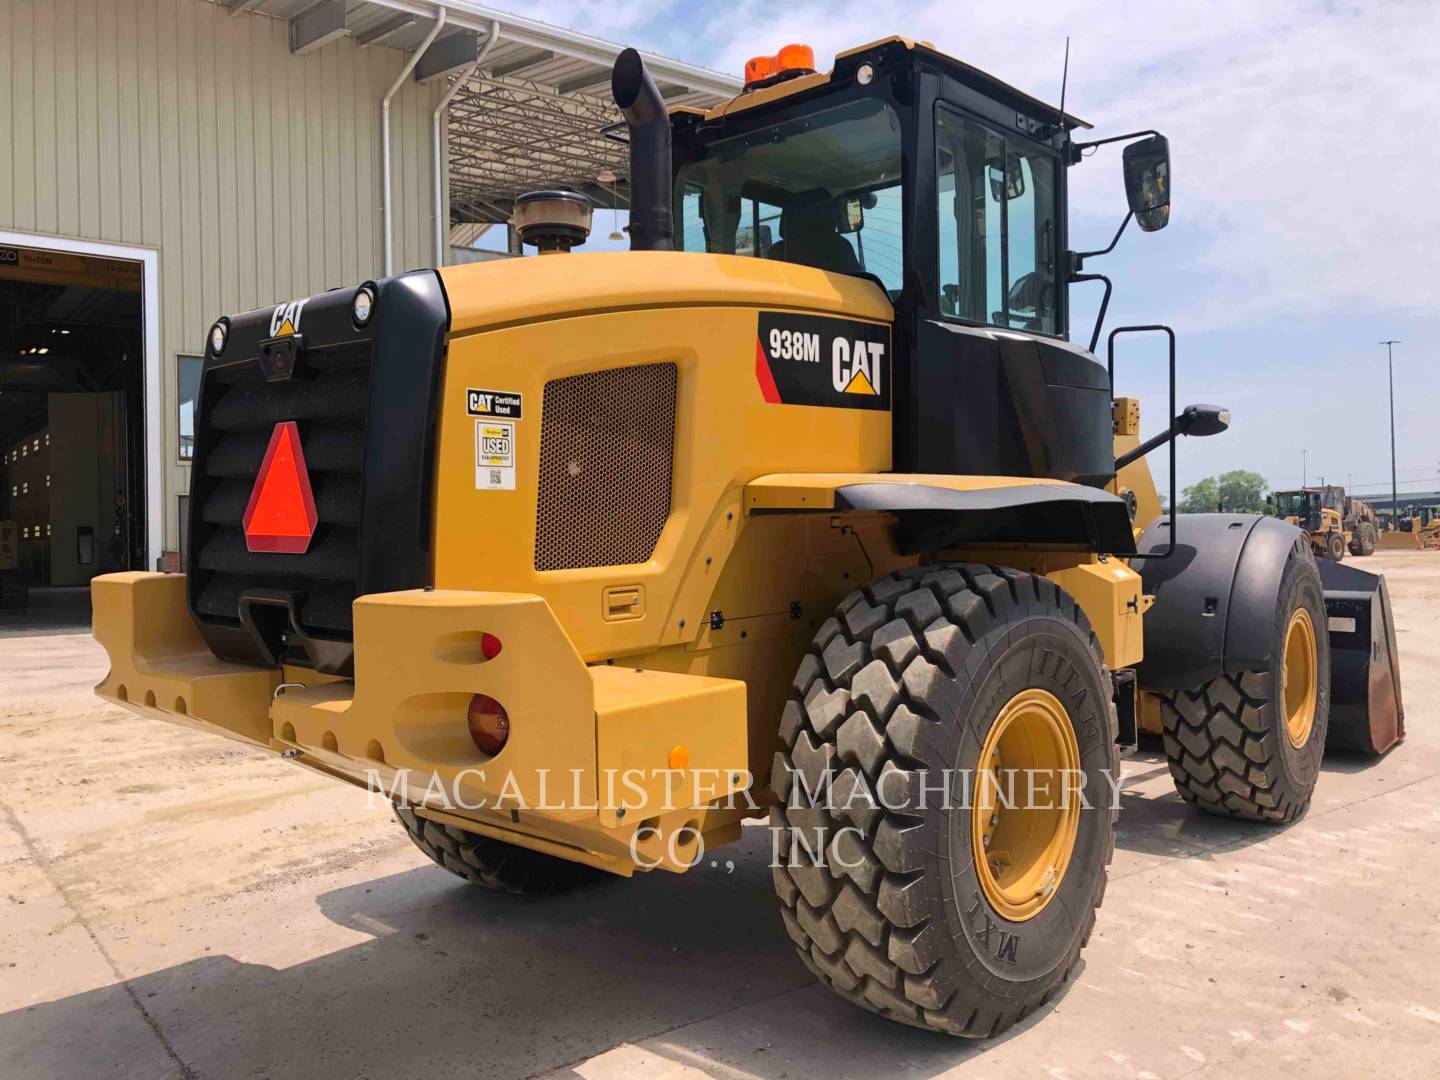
(1104, 304)
(1077, 263)
(1080, 147)
(1153, 443)
(1078, 257)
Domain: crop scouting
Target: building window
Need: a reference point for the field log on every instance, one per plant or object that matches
(188, 375)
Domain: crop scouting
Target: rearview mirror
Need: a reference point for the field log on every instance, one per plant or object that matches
(851, 216)
(1147, 182)
(1198, 421)
(1011, 185)
(754, 242)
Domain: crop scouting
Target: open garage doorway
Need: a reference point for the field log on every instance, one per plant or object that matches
(72, 431)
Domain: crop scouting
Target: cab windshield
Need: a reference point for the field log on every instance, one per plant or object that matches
(1292, 504)
(821, 189)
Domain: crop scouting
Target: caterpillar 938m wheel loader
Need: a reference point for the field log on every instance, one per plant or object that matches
(806, 505)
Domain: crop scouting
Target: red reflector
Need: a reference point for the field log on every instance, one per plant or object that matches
(281, 513)
(489, 724)
(490, 646)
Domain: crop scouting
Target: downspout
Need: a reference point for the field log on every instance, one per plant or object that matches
(385, 207)
(441, 230)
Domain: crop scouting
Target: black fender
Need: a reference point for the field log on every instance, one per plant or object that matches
(935, 517)
(1215, 597)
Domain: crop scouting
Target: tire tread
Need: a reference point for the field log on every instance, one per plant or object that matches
(917, 629)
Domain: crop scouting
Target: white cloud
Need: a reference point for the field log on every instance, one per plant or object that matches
(1302, 131)
(1305, 228)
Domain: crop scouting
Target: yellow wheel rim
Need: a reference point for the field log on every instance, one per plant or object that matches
(1299, 678)
(1022, 847)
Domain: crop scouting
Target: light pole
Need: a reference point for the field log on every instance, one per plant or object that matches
(1390, 364)
(1304, 469)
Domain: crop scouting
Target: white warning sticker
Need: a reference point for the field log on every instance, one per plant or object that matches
(494, 455)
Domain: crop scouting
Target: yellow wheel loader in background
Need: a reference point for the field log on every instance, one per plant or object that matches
(1335, 522)
(805, 506)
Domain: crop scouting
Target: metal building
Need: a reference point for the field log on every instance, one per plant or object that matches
(172, 160)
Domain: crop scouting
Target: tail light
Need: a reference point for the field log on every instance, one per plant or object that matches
(489, 724)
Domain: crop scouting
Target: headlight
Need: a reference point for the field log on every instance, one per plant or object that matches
(363, 305)
(219, 334)
(865, 74)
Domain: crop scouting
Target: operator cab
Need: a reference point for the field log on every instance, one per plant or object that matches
(947, 188)
(1301, 506)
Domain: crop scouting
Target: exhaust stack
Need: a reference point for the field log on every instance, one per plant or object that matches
(652, 226)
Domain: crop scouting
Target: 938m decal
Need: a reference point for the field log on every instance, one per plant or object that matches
(815, 360)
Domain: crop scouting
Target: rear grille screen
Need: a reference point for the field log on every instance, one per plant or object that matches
(240, 411)
(607, 444)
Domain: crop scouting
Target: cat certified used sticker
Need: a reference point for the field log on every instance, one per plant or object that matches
(494, 455)
(815, 360)
(500, 403)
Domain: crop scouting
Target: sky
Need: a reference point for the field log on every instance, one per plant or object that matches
(1304, 229)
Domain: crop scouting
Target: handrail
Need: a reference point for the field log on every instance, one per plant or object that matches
(1110, 350)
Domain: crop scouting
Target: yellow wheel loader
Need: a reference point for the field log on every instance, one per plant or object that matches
(806, 508)
(1312, 511)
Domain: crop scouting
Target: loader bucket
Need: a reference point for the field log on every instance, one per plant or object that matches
(1366, 710)
(1396, 541)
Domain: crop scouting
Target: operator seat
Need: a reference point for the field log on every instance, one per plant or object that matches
(808, 236)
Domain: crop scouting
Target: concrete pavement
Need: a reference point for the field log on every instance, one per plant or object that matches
(176, 905)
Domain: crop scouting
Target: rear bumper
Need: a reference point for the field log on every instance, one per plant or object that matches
(589, 756)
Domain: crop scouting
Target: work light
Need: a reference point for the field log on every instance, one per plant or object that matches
(363, 305)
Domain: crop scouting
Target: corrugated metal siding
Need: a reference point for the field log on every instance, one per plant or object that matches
(170, 124)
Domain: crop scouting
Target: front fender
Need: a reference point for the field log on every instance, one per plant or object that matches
(1215, 596)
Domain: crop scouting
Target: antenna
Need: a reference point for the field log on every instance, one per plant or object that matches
(1064, 80)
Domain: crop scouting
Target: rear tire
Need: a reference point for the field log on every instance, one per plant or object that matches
(493, 863)
(879, 887)
(1235, 746)
(1335, 546)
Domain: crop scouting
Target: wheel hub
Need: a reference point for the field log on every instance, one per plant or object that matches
(1299, 678)
(1021, 846)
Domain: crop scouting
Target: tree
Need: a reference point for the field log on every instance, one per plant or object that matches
(1236, 492)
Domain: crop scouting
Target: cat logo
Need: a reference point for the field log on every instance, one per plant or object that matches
(822, 361)
(856, 368)
(285, 320)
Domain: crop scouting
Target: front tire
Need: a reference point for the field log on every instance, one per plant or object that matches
(1335, 546)
(918, 675)
(1248, 745)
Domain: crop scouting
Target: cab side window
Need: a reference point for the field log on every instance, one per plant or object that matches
(996, 215)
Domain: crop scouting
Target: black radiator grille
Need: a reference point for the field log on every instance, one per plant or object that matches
(239, 412)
